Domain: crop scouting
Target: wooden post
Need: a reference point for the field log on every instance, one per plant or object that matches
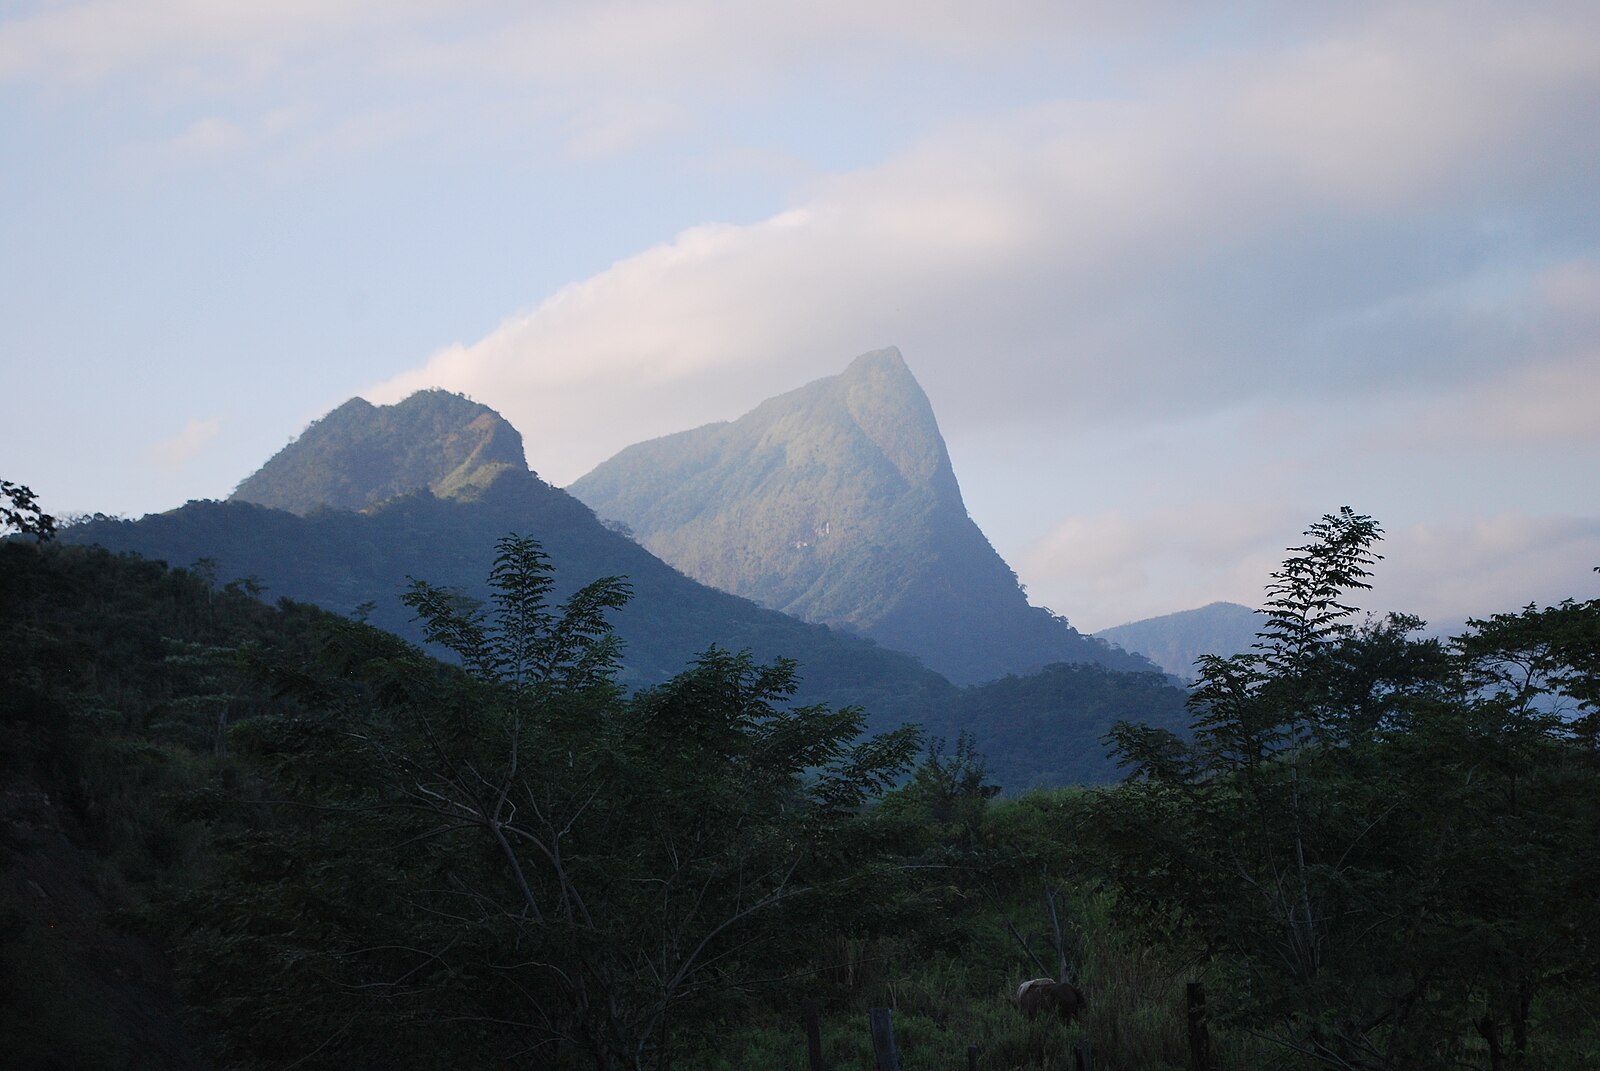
(1200, 1055)
(972, 1058)
(813, 1021)
(1083, 1056)
(881, 1022)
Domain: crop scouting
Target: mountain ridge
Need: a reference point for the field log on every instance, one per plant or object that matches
(356, 562)
(1175, 641)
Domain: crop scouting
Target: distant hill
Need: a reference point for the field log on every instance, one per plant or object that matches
(361, 454)
(837, 503)
(1175, 641)
(1049, 728)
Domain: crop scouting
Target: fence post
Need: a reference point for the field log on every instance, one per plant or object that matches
(972, 1058)
(1200, 1055)
(1083, 1056)
(881, 1022)
(813, 1022)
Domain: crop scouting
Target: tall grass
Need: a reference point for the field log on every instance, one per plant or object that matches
(944, 1003)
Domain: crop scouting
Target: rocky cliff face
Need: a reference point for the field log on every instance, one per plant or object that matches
(361, 454)
(837, 503)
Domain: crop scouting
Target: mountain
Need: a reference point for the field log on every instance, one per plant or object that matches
(343, 560)
(1175, 641)
(1039, 728)
(837, 503)
(360, 454)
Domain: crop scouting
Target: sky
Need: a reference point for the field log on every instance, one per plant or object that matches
(1178, 278)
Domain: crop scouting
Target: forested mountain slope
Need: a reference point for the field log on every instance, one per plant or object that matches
(122, 681)
(837, 503)
(361, 454)
(342, 560)
(247, 800)
(1039, 729)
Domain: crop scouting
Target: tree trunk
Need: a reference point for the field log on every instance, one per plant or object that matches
(1489, 1029)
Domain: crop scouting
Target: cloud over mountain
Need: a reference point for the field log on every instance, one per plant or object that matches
(1152, 258)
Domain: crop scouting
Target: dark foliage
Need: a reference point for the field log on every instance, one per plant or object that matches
(1377, 850)
(122, 678)
(20, 512)
(1387, 840)
(568, 876)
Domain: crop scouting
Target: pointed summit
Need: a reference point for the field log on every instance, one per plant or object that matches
(360, 454)
(837, 503)
(886, 401)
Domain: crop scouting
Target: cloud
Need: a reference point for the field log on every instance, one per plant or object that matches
(1374, 116)
(85, 43)
(726, 45)
(655, 45)
(1232, 230)
(1447, 572)
(1548, 403)
(577, 80)
(185, 446)
(1539, 391)
(209, 135)
(1109, 568)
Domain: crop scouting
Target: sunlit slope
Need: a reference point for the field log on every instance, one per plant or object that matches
(837, 503)
(361, 454)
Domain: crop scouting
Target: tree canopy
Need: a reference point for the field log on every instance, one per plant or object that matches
(568, 869)
(20, 512)
(1388, 839)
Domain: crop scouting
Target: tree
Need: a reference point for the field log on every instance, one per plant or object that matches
(21, 512)
(579, 872)
(1380, 837)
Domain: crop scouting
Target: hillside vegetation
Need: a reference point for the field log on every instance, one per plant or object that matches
(1374, 852)
(361, 454)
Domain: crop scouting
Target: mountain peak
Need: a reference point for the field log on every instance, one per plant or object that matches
(360, 454)
(837, 502)
(875, 409)
(887, 359)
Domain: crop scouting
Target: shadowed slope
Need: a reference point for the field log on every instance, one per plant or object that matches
(341, 560)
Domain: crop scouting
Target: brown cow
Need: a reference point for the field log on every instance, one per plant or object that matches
(1044, 994)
